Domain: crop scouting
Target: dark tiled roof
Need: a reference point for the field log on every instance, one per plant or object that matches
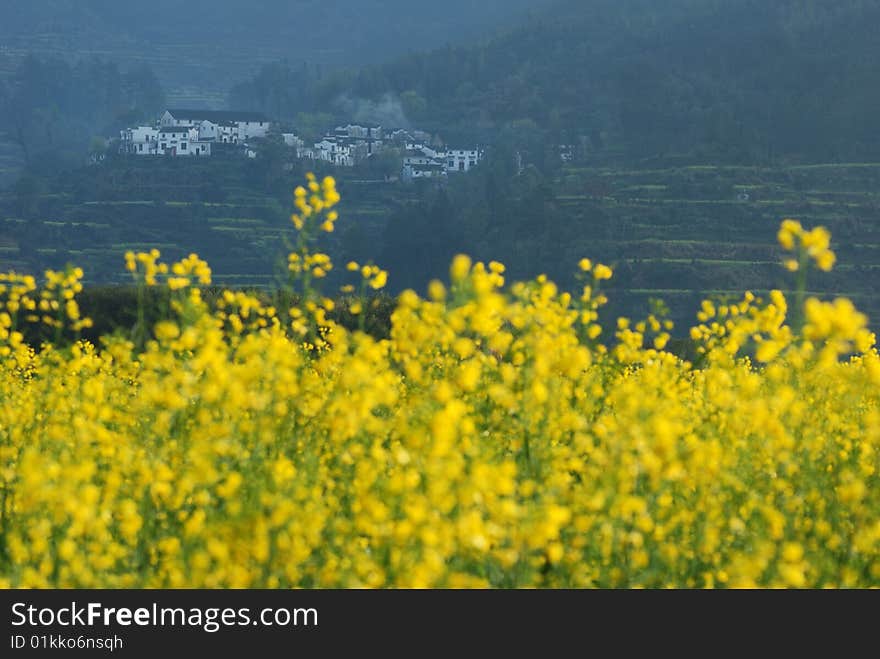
(174, 129)
(217, 115)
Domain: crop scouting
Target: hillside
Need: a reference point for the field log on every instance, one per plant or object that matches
(220, 208)
(677, 233)
(738, 81)
(694, 127)
(200, 49)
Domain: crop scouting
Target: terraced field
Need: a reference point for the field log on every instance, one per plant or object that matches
(178, 208)
(11, 162)
(190, 73)
(677, 234)
(680, 233)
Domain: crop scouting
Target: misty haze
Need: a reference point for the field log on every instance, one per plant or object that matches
(527, 290)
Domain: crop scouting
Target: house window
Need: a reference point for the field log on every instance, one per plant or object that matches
(163, 146)
(183, 146)
(140, 147)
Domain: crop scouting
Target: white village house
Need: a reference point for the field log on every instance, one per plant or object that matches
(293, 141)
(181, 132)
(422, 161)
(235, 126)
(193, 132)
(461, 160)
(141, 140)
(346, 146)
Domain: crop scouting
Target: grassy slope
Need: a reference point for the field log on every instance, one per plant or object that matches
(207, 207)
(681, 233)
(676, 234)
(200, 51)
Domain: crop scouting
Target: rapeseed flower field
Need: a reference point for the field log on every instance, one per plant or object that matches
(501, 437)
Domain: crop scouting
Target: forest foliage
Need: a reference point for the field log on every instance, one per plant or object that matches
(740, 81)
(56, 111)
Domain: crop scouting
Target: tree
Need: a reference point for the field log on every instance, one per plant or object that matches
(143, 93)
(272, 156)
(419, 240)
(52, 109)
(414, 105)
(312, 125)
(384, 164)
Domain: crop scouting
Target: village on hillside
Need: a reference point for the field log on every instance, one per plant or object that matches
(203, 133)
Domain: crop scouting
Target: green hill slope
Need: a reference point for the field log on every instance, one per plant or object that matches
(219, 208)
(677, 233)
(738, 80)
(200, 49)
(696, 126)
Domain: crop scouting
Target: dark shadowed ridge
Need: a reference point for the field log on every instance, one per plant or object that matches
(738, 80)
(201, 48)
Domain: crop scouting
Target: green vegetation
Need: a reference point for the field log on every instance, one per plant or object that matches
(677, 233)
(113, 310)
(683, 229)
(228, 210)
(197, 66)
(693, 127)
(57, 113)
(732, 81)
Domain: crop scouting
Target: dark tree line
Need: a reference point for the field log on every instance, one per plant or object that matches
(733, 81)
(53, 109)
